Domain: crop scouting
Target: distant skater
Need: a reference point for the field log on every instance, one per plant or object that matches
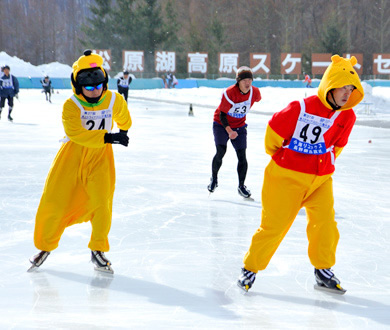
(123, 84)
(9, 88)
(47, 88)
(229, 124)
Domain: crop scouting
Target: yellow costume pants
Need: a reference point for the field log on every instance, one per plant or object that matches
(80, 187)
(284, 193)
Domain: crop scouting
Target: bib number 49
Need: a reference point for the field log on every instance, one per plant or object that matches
(316, 133)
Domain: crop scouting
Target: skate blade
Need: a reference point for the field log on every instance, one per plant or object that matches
(248, 198)
(106, 269)
(337, 290)
(244, 289)
(32, 269)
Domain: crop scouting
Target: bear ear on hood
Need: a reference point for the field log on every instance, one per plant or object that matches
(336, 58)
(353, 60)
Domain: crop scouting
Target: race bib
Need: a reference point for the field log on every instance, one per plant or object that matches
(309, 133)
(93, 120)
(96, 119)
(124, 82)
(239, 110)
(7, 83)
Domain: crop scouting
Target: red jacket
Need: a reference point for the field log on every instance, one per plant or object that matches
(235, 95)
(283, 123)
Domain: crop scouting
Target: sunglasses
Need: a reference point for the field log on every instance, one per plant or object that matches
(92, 88)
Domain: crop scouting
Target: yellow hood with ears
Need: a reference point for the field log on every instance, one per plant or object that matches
(339, 74)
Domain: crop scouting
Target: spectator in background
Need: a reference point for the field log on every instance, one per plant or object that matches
(164, 81)
(169, 79)
(123, 84)
(307, 81)
(9, 88)
(47, 88)
(174, 81)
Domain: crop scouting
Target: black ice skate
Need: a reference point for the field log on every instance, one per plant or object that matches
(246, 279)
(327, 281)
(102, 264)
(9, 114)
(243, 191)
(38, 260)
(213, 184)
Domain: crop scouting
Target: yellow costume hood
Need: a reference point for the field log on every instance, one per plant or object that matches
(88, 70)
(88, 61)
(339, 74)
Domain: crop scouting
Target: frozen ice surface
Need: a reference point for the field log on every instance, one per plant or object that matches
(176, 251)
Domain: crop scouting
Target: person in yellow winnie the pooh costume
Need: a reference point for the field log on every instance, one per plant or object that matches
(81, 182)
(304, 140)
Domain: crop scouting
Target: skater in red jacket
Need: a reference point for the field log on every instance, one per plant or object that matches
(229, 123)
(304, 140)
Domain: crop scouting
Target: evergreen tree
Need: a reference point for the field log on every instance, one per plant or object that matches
(150, 26)
(216, 43)
(98, 30)
(171, 26)
(333, 39)
(125, 36)
(173, 42)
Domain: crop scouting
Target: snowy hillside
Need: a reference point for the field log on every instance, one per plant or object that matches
(25, 69)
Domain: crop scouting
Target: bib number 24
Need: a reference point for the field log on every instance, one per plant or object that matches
(91, 124)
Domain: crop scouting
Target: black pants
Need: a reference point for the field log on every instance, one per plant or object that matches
(124, 92)
(242, 166)
(47, 91)
(10, 101)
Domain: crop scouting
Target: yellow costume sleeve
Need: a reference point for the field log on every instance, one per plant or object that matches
(76, 132)
(337, 151)
(273, 141)
(121, 113)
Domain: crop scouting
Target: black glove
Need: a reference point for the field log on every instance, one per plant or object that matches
(117, 138)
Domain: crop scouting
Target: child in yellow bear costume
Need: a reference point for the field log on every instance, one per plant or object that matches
(304, 140)
(81, 182)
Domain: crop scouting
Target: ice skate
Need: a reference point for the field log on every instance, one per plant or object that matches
(213, 184)
(327, 281)
(38, 260)
(243, 191)
(246, 279)
(102, 264)
(9, 114)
